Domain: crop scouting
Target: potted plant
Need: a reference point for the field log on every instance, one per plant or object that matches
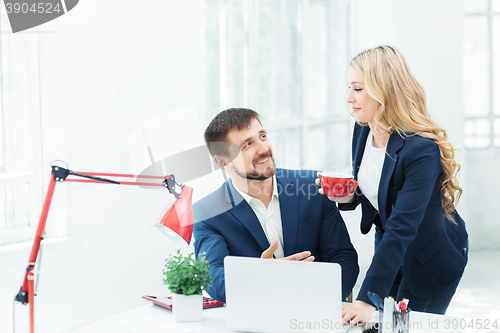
(186, 278)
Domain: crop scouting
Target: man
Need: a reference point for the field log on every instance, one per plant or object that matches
(263, 211)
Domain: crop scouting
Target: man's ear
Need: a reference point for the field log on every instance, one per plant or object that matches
(221, 161)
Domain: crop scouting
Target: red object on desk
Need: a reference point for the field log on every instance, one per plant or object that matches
(403, 305)
(166, 302)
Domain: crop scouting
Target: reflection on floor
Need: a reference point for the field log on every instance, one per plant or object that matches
(478, 295)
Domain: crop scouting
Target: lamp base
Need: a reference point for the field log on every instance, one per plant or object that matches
(22, 297)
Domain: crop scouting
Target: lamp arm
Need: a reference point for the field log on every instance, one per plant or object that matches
(22, 296)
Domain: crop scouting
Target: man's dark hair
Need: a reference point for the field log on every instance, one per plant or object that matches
(225, 122)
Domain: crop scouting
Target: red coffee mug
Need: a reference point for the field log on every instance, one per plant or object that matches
(337, 185)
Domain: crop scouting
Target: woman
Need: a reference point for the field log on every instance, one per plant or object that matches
(406, 172)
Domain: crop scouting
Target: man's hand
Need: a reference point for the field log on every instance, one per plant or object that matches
(357, 313)
(268, 254)
(348, 198)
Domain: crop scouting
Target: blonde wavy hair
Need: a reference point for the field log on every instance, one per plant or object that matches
(403, 107)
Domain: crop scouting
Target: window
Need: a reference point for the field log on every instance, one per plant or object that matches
(288, 61)
(20, 161)
(482, 74)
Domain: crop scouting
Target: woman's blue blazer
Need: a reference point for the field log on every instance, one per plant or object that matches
(418, 239)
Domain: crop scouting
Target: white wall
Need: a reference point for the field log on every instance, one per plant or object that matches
(107, 67)
(429, 33)
(482, 199)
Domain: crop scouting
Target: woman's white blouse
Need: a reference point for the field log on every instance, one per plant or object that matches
(370, 171)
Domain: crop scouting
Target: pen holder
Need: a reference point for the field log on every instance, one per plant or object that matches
(401, 321)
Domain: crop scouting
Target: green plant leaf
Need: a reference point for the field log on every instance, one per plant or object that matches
(186, 275)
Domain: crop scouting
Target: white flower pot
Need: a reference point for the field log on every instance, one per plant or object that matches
(187, 308)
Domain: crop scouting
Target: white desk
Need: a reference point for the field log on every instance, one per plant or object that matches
(153, 319)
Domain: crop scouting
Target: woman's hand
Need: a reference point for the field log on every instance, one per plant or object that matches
(348, 198)
(357, 313)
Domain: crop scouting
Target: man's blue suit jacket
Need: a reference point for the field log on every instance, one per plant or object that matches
(418, 239)
(310, 222)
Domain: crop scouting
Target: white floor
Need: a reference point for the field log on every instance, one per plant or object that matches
(478, 295)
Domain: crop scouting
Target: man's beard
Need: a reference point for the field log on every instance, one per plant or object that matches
(256, 174)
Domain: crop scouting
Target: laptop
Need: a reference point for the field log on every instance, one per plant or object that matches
(265, 295)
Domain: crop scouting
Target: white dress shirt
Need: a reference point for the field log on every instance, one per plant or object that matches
(370, 171)
(269, 218)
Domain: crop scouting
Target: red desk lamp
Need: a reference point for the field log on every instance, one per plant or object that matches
(178, 216)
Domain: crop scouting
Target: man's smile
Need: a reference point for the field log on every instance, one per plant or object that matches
(263, 161)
